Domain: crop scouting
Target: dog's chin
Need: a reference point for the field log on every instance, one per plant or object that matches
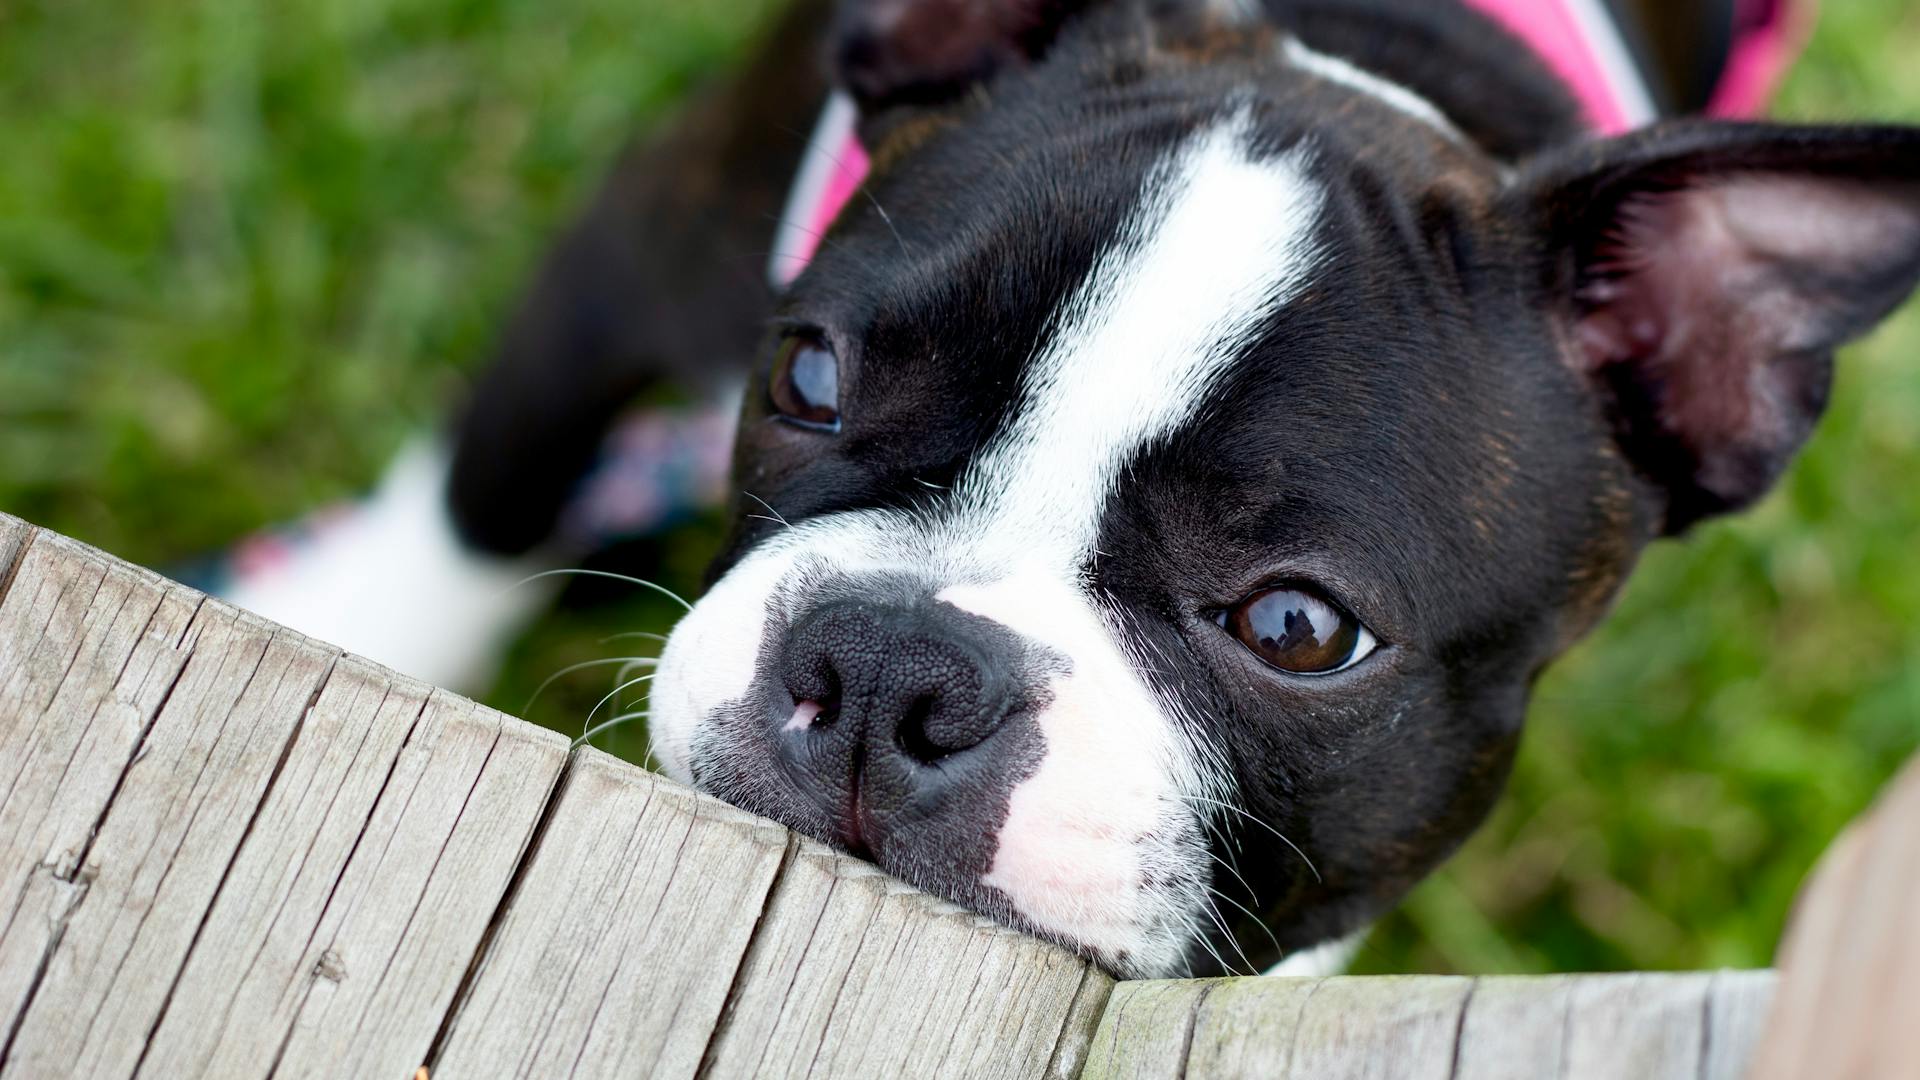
(1135, 906)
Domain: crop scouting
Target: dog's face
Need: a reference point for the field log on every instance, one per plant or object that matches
(1159, 496)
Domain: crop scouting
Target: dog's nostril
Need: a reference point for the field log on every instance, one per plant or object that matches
(806, 715)
(912, 733)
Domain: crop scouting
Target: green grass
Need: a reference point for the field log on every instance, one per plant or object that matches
(246, 249)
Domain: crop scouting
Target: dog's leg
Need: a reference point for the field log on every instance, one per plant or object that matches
(661, 284)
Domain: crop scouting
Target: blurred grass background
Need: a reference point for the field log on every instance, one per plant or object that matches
(247, 249)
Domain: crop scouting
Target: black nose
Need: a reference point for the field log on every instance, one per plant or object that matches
(895, 713)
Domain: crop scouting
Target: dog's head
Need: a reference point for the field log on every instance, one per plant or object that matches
(1159, 495)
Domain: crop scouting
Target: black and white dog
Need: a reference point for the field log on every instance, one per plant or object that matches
(1188, 448)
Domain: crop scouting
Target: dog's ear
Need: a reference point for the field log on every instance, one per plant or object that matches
(1705, 272)
(889, 52)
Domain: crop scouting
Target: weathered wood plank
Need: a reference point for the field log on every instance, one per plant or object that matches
(416, 900)
(1514, 1029)
(366, 885)
(1147, 1030)
(1401, 1027)
(1636, 1027)
(845, 952)
(1247, 1025)
(14, 534)
(1850, 965)
(89, 650)
(1070, 1052)
(1737, 1006)
(616, 952)
(225, 850)
(170, 832)
(1577, 1027)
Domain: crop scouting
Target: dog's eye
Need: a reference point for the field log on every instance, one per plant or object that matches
(805, 387)
(1299, 631)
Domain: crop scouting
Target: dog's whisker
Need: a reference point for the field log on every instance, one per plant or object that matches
(615, 692)
(1220, 924)
(1220, 920)
(625, 718)
(888, 218)
(1257, 921)
(641, 582)
(1235, 871)
(777, 516)
(1228, 840)
(1262, 824)
(818, 236)
(648, 634)
(867, 191)
(570, 669)
(634, 662)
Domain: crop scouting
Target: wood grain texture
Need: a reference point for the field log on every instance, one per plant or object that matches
(1636, 1027)
(89, 651)
(226, 850)
(182, 807)
(1071, 1051)
(616, 953)
(1579, 1027)
(1849, 1001)
(854, 974)
(364, 889)
(1148, 1028)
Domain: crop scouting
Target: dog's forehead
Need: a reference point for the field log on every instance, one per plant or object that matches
(1137, 231)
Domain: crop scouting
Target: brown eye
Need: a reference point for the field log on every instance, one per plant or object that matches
(1299, 631)
(805, 386)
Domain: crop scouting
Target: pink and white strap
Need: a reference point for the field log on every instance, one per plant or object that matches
(1582, 43)
(833, 169)
(1578, 39)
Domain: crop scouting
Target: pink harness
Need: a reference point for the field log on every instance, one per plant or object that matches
(1578, 39)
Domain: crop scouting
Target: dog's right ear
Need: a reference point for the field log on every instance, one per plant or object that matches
(920, 52)
(1704, 274)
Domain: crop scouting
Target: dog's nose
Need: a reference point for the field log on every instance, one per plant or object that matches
(895, 709)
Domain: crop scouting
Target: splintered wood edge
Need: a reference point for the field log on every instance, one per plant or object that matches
(15, 535)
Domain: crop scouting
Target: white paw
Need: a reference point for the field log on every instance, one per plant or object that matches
(393, 582)
(1328, 958)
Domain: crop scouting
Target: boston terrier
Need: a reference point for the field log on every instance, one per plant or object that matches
(1176, 433)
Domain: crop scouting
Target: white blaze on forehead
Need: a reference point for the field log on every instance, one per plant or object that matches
(1335, 70)
(1099, 845)
(1221, 239)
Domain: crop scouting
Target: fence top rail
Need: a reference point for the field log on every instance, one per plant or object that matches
(232, 850)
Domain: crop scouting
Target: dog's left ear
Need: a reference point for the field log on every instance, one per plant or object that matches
(1705, 272)
(920, 52)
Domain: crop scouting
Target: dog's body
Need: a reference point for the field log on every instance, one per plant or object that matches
(1187, 451)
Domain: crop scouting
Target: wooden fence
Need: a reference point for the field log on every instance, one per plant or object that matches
(227, 850)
